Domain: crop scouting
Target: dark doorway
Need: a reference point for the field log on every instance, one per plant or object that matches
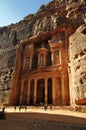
(49, 91)
(40, 91)
(32, 92)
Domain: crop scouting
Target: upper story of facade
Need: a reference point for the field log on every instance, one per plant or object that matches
(44, 52)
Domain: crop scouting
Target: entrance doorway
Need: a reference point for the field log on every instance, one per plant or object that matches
(49, 91)
(40, 91)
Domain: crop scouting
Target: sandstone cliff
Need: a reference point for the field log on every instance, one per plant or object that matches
(77, 65)
(55, 14)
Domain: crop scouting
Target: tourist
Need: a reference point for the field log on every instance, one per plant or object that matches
(15, 108)
(3, 109)
(45, 107)
(19, 108)
(25, 108)
(50, 107)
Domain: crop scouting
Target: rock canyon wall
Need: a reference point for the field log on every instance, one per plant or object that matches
(77, 66)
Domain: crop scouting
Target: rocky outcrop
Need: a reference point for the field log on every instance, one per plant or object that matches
(77, 66)
(57, 13)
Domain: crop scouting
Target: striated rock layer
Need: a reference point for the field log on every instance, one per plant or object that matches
(55, 15)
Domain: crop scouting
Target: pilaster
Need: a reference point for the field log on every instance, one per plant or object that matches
(35, 91)
(21, 93)
(63, 91)
(46, 92)
(54, 91)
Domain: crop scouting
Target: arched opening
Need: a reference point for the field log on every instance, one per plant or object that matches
(40, 91)
(49, 91)
(24, 102)
(31, 92)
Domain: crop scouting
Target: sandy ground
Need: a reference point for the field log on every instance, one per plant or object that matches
(38, 119)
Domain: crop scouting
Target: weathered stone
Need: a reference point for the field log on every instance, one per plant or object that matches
(77, 57)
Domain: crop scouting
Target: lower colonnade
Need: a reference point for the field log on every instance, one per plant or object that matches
(40, 91)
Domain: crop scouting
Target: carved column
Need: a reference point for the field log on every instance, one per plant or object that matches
(21, 93)
(46, 92)
(63, 91)
(44, 60)
(35, 91)
(58, 89)
(52, 56)
(60, 60)
(28, 95)
(54, 91)
(38, 60)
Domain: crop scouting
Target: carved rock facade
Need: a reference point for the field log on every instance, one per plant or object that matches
(41, 73)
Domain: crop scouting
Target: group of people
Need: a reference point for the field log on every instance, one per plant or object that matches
(21, 107)
(25, 107)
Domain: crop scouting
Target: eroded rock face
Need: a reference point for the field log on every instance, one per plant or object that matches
(56, 14)
(77, 71)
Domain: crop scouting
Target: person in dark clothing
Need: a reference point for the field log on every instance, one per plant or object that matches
(50, 107)
(45, 107)
(15, 108)
(3, 109)
(25, 108)
(19, 108)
